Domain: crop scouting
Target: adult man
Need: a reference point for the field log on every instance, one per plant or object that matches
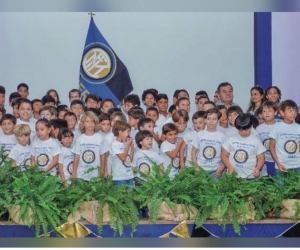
(226, 95)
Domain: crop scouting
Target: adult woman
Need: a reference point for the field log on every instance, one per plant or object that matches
(257, 98)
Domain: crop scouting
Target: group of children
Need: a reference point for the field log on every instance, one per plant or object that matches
(85, 139)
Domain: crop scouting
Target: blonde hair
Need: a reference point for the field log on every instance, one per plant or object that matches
(92, 116)
(22, 129)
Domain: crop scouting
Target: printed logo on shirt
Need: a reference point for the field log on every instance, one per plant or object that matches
(290, 146)
(144, 168)
(240, 156)
(70, 167)
(88, 156)
(176, 162)
(127, 162)
(266, 144)
(27, 162)
(209, 152)
(42, 160)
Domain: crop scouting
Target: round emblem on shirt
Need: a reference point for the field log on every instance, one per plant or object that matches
(42, 160)
(144, 168)
(209, 152)
(240, 156)
(88, 156)
(266, 143)
(290, 147)
(70, 167)
(176, 162)
(27, 162)
(127, 162)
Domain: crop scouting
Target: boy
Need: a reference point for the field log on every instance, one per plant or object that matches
(148, 124)
(162, 103)
(285, 139)
(71, 119)
(2, 95)
(209, 144)
(201, 101)
(77, 108)
(134, 115)
(12, 96)
(208, 105)
(106, 105)
(269, 111)
(149, 98)
(48, 100)
(74, 94)
(23, 90)
(48, 112)
(105, 128)
(153, 114)
(7, 139)
(169, 149)
(92, 101)
(56, 126)
(223, 121)
(15, 106)
(131, 101)
(36, 106)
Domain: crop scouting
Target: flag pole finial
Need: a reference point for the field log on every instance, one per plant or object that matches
(91, 14)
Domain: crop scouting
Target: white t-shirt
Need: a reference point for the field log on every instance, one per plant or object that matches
(232, 131)
(120, 170)
(221, 129)
(175, 163)
(21, 155)
(32, 128)
(7, 142)
(242, 154)
(188, 138)
(209, 145)
(89, 149)
(141, 161)
(161, 120)
(263, 131)
(190, 124)
(44, 151)
(287, 137)
(66, 158)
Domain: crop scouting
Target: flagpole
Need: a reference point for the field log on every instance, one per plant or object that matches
(91, 14)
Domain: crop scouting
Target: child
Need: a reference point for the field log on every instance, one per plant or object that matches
(149, 98)
(12, 96)
(90, 149)
(7, 139)
(131, 101)
(148, 124)
(181, 119)
(162, 103)
(66, 157)
(285, 139)
(117, 116)
(169, 149)
(36, 106)
(121, 153)
(23, 90)
(25, 112)
(74, 94)
(45, 150)
(77, 108)
(92, 101)
(143, 159)
(2, 95)
(243, 153)
(105, 128)
(48, 112)
(48, 100)
(259, 115)
(208, 105)
(186, 148)
(202, 99)
(21, 153)
(106, 105)
(223, 121)
(134, 115)
(56, 125)
(2, 110)
(209, 144)
(71, 119)
(269, 111)
(62, 110)
(15, 105)
(152, 113)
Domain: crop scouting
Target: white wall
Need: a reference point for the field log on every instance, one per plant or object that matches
(286, 54)
(166, 51)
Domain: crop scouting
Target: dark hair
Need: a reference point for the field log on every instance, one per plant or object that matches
(120, 126)
(149, 91)
(58, 123)
(64, 132)
(2, 109)
(172, 108)
(213, 111)
(107, 100)
(219, 107)
(152, 109)
(35, 100)
(69, 113)
(143, 121)
(23, 85)
(119, 114)
(268, 90)
(161, 96)
(2, 90)
(269, 104)
(136, 113)
(74, 90)
(235, 109)
(252, 104)
(62, 107)
(16, 101)
(175, 93)
(48, 98)
(287, 104)
(223, 84)
(96, 111)
(141, 135)
(133, 99)
(202, 93)
(181, 113)
(243, 121)
(210, 102)
(179, 100)
(53, 90)
(182, 90)
(24, 100)
(103, 117)
(8, 117)
(46, 123)
(297, 120)
(93, 97)
(198, 114)
(169, 127)
(75, 102)
(255, 121)
(259, 110)
(13, 95)
(113, 110)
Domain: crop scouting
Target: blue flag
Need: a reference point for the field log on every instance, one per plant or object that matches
(101, 71)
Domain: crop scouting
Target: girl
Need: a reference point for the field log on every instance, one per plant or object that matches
(54, 94)
(106, 105)
(149, 98)
(66, 157)
(273, 94)
(90, 149)
(121, 153)
(21, 153)
(44, 150)
(257, 97)
(244, 153)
